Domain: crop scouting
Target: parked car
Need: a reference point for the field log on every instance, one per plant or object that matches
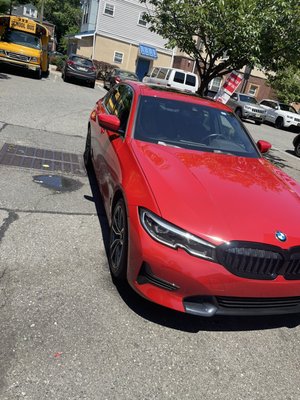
(247, 107)
(280, 114)
(173, 77)
(199, 221)
(117, 75)
(80, 68)
(296, 143)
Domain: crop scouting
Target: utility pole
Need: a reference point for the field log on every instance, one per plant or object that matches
(42, 12)
(10, 7)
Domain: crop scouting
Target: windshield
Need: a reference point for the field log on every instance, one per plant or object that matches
(128, 75)
(22, 38)
(247, 99)
(191, 126)
(286, 107)
(82, 61)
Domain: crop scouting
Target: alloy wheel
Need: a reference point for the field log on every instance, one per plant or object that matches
(118, 241)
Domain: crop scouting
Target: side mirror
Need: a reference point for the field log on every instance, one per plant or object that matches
(263, 146)
(109, 122)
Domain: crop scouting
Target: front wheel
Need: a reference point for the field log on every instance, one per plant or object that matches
(238, 113)
(38, 74)
(118, 241)
(87, 151)
(297, 149)
(279, 123)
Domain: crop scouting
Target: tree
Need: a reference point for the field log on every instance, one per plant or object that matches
(224, 35)
(4, 6)
(286, 83)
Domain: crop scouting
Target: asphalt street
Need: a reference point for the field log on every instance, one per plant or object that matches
(66, 331)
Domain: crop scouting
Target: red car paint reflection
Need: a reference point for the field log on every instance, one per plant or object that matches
(199, 221)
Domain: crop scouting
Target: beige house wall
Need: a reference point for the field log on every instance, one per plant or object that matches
(85, 46)
(106, 47)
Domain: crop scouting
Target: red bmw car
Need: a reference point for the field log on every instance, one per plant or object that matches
(199, 221)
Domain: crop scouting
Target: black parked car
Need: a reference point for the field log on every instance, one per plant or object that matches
(117, 75)
(81, 68)
(296, 143)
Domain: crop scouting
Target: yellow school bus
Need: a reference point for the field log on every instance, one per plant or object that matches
(24, 44)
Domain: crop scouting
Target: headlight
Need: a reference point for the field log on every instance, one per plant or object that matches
(34, 59)
(175, 237)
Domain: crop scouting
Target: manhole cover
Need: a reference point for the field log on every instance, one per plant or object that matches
(41, 159)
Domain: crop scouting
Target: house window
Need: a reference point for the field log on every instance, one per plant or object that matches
(118, 57)
(253, 90)
(109, 9)
(215, 84)
(86, 13)
(141, 20)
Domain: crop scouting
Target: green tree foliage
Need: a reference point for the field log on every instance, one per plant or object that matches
(4, 6)
(64, 14)
(286, 83)
(223, 35)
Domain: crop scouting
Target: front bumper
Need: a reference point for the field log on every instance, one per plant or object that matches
(19, 64)
(175, 279)
(253, 116)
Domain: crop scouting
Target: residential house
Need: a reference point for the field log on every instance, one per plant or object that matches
(114, 31)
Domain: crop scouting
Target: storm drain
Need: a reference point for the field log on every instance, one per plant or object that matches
(41, 159)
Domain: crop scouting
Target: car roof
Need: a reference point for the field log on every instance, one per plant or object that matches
(144, 89)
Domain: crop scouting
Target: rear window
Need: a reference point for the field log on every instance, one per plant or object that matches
(179, 77)
(82, 61)
(154, 72)
(190, 80)
(162, 73)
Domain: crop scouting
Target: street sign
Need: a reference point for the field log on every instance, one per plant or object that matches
(231, 84)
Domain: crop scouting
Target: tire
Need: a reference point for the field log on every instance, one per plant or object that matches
(65, 78)
(297, 148)
(92, 84)
(257, 123)
(38, 74)
(238, 113)
(279, 123)
(46, 74)
(87, 151)
(118, 242)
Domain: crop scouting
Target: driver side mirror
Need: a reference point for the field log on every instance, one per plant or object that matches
(109, 122)
(263, 146)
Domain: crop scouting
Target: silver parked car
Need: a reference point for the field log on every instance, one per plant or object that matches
(246, 107)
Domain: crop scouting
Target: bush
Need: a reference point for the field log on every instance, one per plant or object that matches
(103, 69)
(59, 62)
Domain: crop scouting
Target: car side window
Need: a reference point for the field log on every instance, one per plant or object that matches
(118, 102)
(234, 96)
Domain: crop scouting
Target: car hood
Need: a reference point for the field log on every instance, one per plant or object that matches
(221, 197)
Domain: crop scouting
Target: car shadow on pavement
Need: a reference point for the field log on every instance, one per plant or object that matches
(173, 319)
(97, 199)
(4, 76)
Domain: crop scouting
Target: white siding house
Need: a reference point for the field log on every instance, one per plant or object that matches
(115, 32)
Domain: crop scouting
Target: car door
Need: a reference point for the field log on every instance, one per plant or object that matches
(109, 144)
(269, 106)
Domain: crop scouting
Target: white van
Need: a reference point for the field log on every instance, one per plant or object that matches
(173, 77)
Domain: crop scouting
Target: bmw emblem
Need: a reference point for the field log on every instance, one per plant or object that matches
(280, 236)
